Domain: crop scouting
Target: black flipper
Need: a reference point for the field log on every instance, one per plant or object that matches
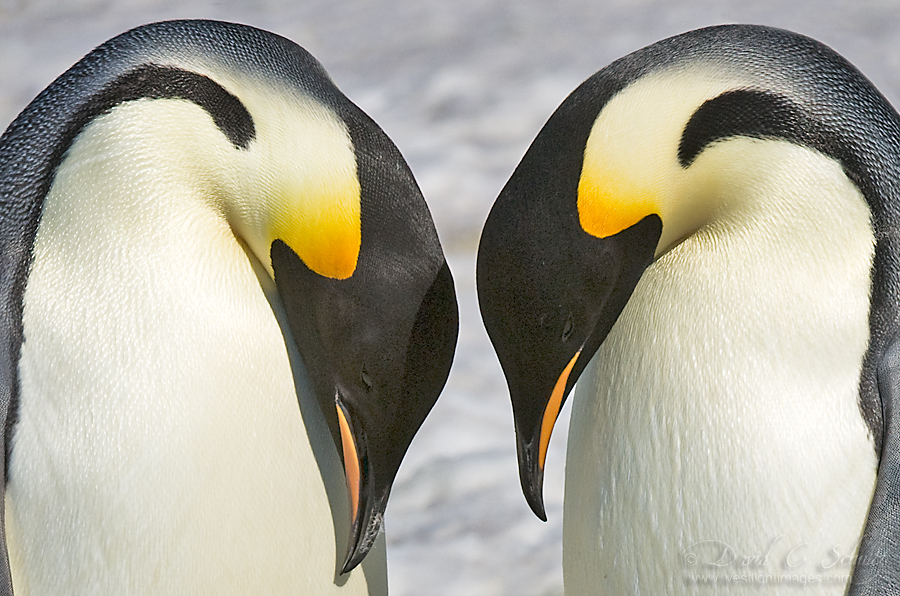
(877, 569)
(5, 577)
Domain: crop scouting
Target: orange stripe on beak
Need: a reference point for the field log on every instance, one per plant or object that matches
(351, 462)
(552, 410)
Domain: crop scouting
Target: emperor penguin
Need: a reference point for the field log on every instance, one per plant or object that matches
(706, 236)
(225, 313)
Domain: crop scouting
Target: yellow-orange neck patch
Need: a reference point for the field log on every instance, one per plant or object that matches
(327, 233)
(297, 182)
(630, 166)
(607, 203)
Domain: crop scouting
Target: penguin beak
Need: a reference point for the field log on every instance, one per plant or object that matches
(531, 447)
(549, 294)
(367, 503)
(378, 352)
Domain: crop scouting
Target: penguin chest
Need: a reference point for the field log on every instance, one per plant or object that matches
(160, 447)
(716, 438)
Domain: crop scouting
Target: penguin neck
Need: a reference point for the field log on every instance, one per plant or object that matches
(159, 446)
(717, 430)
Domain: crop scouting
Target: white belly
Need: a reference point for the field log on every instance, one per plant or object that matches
(716, 444)
(160, 447)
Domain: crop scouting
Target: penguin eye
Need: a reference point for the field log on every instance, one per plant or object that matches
(567, 329)
(367, 379)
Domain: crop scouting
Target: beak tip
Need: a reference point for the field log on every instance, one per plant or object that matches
(535, 500)
(538, 509)
(363, 533)
(351, 561)
(356, 552)
(532, 477)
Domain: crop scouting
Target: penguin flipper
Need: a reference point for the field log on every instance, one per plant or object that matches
(5, 575)
(876, 570)
(6, 420)
(5, 407)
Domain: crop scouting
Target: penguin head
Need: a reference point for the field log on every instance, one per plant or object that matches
(369, 299)
(376, 326)
(378, 350)
(549, 291)
(663, 147)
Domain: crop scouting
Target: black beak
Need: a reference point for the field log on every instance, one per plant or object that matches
(367, 502)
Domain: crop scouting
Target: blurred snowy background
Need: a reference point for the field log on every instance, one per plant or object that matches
(461, 86)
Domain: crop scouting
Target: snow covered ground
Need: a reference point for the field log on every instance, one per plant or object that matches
(462, 87)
